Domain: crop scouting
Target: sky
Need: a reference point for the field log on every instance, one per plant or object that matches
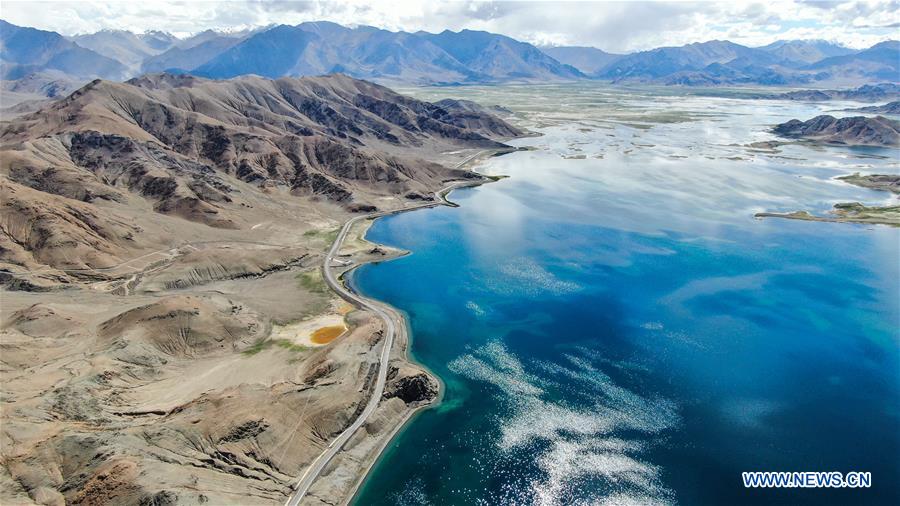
(622, 26)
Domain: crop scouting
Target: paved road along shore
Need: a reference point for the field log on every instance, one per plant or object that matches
(392, 321)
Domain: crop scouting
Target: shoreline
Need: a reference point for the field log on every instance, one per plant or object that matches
(399, 322)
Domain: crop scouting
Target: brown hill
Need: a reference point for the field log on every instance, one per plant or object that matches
(205, 151)
(161, 247)
(856, 130)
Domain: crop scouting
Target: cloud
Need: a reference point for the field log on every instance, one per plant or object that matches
(613, 26)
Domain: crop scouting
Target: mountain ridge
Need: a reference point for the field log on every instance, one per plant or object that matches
(444, 58)
(195, 148)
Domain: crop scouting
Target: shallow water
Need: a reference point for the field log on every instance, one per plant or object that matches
(612, 324)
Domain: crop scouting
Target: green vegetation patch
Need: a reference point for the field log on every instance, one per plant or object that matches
(257, 347)
(264, 344)
(312, 282)
(327, 236)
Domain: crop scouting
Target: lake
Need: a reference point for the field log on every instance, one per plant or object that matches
(613, 326)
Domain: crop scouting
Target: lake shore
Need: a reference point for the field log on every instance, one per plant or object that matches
(345, 474)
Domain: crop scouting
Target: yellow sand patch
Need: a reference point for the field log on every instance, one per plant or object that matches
(345, 308)
(325, 335)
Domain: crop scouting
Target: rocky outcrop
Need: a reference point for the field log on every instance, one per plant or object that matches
(416, 389)
(856, 130)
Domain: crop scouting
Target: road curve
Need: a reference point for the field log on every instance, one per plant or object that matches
(390, 329)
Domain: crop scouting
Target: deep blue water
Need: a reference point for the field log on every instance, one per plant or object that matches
(622, 330)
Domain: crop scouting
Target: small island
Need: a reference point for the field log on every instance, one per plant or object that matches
(851, 131)
(886, 182)
(855, 212)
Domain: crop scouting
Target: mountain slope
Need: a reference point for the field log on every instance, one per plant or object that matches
(192, 54)
(781, 63)
(315, 48)
(26, 50)
(866, 93)
(126, 47)
(500, 57)
(656, 63)
(589, 60)
(856, 130)
(198, 150)
(273, 53)
(805, 51)
(881, 61)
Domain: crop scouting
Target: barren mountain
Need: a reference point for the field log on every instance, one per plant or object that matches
(805, 51)
(126, 47)
(856, 130)
(29, 93)
(161, 246)
(26, 50)
(888, 108)
(186, 145)
(588, 60)
(865, 93)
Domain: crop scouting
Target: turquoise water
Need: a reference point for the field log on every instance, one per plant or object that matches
(613, 326)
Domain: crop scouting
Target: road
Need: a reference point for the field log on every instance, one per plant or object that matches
(391, 322)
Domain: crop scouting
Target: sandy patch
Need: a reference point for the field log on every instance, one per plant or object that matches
(316, 331)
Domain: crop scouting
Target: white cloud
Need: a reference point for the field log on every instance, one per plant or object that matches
(613, 26)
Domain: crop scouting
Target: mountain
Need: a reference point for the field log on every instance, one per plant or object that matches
(500, 58)
(881, 62)
(866, 93)
(888, 108)
(26, 50)
(856, 130)
(124, 46)
(158, 40)
(192, 52)
(588, 60)
(781, 63)
(805, 51)
(748, 69)
(447, 57)
(176, 229)
(28, 93)
(664, 61)
(273, 53)
(198, 150)
(464, 57)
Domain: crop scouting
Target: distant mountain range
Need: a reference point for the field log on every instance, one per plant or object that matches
(465, 57)
(27, 50)
(866, 93)
(782, 63)
(447, 57)
(588, 60)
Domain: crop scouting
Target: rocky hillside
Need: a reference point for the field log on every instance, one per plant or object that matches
(856, 130)
(202, 151)
(161, 254)
(866, 93)
(888, 108)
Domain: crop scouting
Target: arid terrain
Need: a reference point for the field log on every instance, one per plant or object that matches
(167, 335)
